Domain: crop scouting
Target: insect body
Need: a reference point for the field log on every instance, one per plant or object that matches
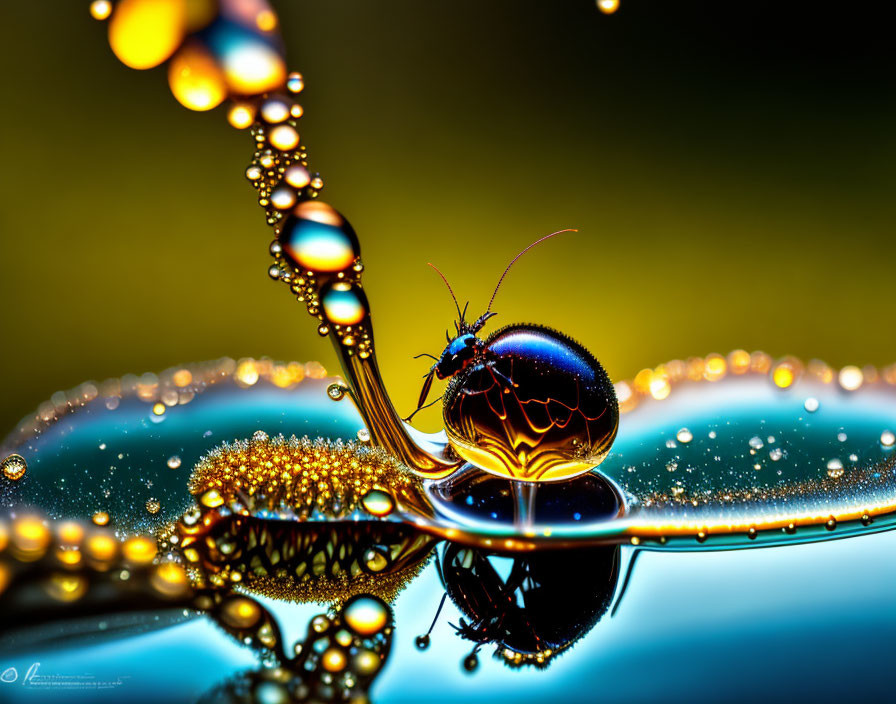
(528, 402)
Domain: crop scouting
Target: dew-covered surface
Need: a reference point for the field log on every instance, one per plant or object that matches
(738, 453)
(810, 622)
(117, 460)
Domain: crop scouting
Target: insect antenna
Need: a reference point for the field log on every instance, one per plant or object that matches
(460, 316)
(423, 641)
(512, 261)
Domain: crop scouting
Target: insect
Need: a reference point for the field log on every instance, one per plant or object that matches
(527, 402)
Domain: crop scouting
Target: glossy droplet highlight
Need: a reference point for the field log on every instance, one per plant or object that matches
(14, 467)
(835, 468)
(250, 63)
(344, 303)
(195, 78)
(366, 615)
(173, 462)
(608, 7)
(851, 378)
(378, 503)
(684, 436)
(317, 238)
(811, 404)
(887, 438)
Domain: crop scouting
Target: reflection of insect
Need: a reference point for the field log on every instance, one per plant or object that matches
(533, 610)
(528, 402)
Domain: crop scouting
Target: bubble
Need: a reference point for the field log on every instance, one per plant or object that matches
(364, 435)
(296, 176)
(295, 83)
(14, 467)
(756, 442)
(714, 367)
(253, 173)
(851, 378)
(241, 115)
(333, 660)
(841, 437)
(344, 303)
(378, 503)
(274, 110)
(100, 9)
(144, 33)
(608, 7)
(173, 462)
(784, 374)
(100, 518)
(811, 404)
(195, 78)
(775, 454)
(336, 391)
(366, 615)
(835, 468)
(250, 63)
(684, 436)
(887, 438)
(153, 506)
(283, 197)
(317, 238)
(284, 137)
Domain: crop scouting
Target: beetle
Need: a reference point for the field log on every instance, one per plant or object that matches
(528, 402)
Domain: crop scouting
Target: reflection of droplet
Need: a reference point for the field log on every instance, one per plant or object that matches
(835, 468)
(344, 303)
(366, 615)
(684, 436)
(14, 467)
(887, 438)
(811, 404)
(174, 462)
(377, 503)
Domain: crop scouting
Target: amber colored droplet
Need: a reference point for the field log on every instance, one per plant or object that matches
(101, 518)
(100, 9)
(143, 33)
(241, 115)
(195, 78)
(333, 660)
(212, 499)
(139, 549)
(378, 503)
(14, 467)
(366, 615)
(240, 612)
(102, 547)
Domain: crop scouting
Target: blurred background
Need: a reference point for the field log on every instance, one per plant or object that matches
(730, 167)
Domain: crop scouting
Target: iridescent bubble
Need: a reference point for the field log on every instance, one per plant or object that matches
(295, 83)
(317, 238)
(250, 63)
(344, 303)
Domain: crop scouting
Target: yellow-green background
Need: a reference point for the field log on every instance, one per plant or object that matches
(730, 166)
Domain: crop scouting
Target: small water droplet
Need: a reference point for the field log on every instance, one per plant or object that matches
(364, 435)
(835, 468)
(14, 467)
(775, 454)
(756, 442)
(811, 404)
(336, 391)
(174, 462)
(841, 437)
(684, 436)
